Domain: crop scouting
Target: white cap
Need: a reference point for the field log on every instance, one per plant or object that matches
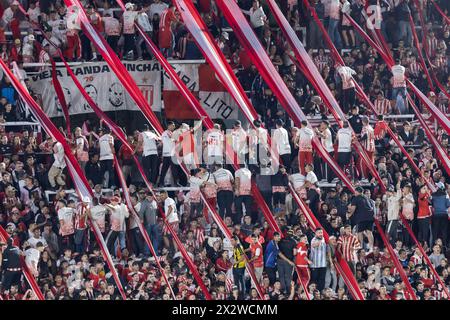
(440, 185)
(86, 199)
(15, 3)
(225, 35)
(31, 37)
(128, 5)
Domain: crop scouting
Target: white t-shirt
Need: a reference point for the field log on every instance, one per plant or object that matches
(32, 257)
(73, 21)
(173, 216)
(245, 180)
(168, 149)
(149, 143)
(33, 241)
(112, 26)
(118, 214)
(398, 73)
(327, 141)
(215, 140)
(66, 214)
(34, 14)
(344, 136)
(224, 179)
(128, 21)
(257, 17)
(346, 76)
(305, 137)
(157, 8)
(281, 139)
(194, 193)
(58, 155)
(105, 149)
(298, 180)
(143, 21)
(311, 177)
(98, 213)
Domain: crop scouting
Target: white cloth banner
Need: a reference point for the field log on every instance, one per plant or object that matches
(101, 84)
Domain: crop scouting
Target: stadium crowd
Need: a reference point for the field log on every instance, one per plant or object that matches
(51, 229)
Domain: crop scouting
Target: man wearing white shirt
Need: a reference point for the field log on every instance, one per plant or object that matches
(326, 139)
(32, 256)
(224, 180)
(257, 18)
(157, 7)
(170, 211)
(55, 176)
(144, 22)
(214, 145)
(112, 30)
(344, 139)
(119, 212)
(150, 160)
(168, 154)
(399, 87)
(242, 187)
(304, 141)
(36, 238)
(106, 144)
(281, 144)
(348, 87)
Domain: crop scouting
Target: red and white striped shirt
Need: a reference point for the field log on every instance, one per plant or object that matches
(80, 221)
(369, 142)
(322, 61)
(348, 245)
(415, 68)
(382, 106)
(432, 44)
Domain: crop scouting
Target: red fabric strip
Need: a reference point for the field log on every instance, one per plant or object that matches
(61, 98)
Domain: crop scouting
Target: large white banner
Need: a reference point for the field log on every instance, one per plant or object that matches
(101, 84)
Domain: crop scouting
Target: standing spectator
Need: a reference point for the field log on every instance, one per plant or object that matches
(285, 261)
(318, 257)
(172, 218)
(118, 213)
(129, 30)
(112, 30)
(144, 22)
(256, 259)
(439, 223)
(238, 264)
(10, 265)
(257, 18)
(281, 144)
(166, 38)
(271, 256)
(32, 257)
(243, 188)
(348, 245)
(424, 215)
(148, 214)
(362, 215)
(333, 22)
(301, 260)
(304, 141)
(224, 180)
(150, 160)
(107, 151)
(55, 174)
(393, 203)
(344, 139)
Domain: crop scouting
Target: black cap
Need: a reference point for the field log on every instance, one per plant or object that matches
(359, 189)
